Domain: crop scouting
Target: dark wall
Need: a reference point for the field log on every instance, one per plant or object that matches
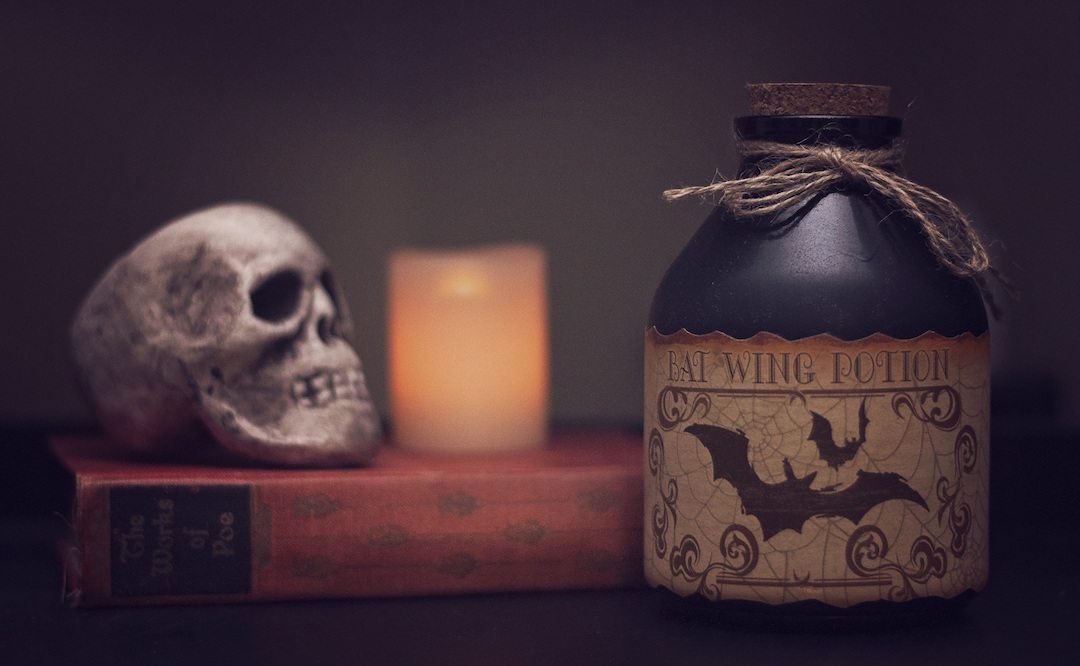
(378, 126)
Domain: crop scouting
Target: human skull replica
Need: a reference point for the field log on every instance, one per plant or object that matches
(226, 321)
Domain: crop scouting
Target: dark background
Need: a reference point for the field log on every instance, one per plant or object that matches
(378, 126)
(382, 125)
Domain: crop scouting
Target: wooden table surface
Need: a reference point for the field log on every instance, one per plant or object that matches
(1029, 614)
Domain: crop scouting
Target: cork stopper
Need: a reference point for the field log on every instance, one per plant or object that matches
(817, 99)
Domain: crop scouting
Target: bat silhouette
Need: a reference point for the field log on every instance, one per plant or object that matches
(790, 503)
(822, 435)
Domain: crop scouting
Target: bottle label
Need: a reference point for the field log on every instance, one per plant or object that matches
(779, 471)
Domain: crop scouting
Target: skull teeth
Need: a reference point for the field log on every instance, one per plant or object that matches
(326, 387)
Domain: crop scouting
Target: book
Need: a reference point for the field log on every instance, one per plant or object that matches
(568, 516)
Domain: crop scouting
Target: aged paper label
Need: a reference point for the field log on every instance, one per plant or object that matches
(779, 471)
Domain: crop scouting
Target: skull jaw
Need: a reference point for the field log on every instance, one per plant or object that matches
(340, 434)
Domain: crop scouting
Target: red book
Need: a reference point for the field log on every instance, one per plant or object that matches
(567, 516)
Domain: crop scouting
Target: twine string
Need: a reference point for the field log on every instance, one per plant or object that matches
(789, 174)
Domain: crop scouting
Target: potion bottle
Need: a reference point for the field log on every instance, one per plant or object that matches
(817, 396)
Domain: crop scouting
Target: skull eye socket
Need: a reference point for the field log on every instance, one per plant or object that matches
(278, 296)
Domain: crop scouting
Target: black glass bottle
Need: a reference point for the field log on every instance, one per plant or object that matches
(845, 289)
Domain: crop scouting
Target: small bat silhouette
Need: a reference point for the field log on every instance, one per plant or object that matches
(791, 502)
(822, 435)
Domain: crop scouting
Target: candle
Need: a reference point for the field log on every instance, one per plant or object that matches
(468, 346)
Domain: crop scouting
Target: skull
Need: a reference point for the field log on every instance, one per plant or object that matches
(227, 321)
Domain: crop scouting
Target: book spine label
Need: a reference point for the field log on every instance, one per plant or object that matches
(176, 540)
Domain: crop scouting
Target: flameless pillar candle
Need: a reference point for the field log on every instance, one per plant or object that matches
(468, 345)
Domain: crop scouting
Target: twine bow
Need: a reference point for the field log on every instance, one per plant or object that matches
(789, 174)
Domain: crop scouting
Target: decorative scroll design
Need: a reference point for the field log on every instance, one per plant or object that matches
(967, 450)
(959, 513)
(866, 551)
(737, 543)
(673, 406)
(938, 405)
(662, 516)
(740, 551)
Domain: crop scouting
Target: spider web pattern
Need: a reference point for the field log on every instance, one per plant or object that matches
(810, 563)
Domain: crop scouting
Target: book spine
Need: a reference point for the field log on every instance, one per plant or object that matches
(204, 540)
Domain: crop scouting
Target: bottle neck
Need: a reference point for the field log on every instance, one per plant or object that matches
(852, 132)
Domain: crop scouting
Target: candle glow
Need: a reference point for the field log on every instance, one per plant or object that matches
(468, 344)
